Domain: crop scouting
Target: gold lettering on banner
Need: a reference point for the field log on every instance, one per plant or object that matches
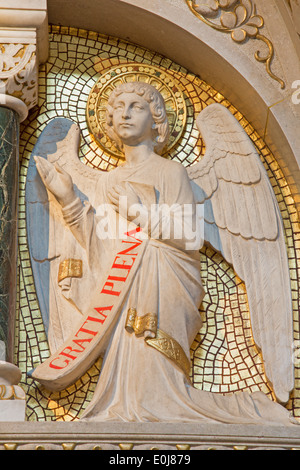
(69, 268)
(126, 446)
(69, 446)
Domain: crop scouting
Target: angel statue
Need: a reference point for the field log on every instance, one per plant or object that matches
(116, 262)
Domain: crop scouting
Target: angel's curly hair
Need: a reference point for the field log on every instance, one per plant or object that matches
(156, 102)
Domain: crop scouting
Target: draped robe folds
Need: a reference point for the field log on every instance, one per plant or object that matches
(138, 383)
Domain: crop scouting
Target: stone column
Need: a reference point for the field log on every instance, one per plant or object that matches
(9, 165)
(23, 39)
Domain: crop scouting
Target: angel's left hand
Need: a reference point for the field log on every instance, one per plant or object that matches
(124, 199)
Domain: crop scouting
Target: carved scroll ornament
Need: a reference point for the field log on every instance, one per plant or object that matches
(18, 72)
(238, 18)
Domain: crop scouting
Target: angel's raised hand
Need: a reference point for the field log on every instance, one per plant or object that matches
(56, 180)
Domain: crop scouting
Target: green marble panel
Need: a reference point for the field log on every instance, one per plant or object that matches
(9, 162)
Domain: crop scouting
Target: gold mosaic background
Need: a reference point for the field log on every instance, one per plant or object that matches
(224, 356)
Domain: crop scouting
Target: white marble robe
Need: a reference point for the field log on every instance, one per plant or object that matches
(138, 383)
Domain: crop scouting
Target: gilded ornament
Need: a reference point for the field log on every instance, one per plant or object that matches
(239, 18)
(140, 325)
(69, 446)
(110, 79)
(126, 446)
(158, 339)
(220, 345)
(18, 72)
(70, 268)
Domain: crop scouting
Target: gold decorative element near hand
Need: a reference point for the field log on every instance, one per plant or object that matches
(70, 268)
(140, 325)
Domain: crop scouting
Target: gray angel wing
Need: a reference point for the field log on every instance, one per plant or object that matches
(49, 239)
(243, 222)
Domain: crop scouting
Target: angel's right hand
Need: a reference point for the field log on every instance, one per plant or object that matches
(56, 180)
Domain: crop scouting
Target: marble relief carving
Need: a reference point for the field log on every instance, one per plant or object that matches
(240, 19)
(114, 222)
(70, 100)
(18, 72)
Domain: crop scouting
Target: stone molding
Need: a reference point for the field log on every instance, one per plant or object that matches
(145, 436)
(228, 66)
(18, 65)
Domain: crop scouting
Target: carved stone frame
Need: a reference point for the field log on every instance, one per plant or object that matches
(271, 111)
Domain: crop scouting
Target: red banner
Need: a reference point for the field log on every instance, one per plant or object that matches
(89, 338)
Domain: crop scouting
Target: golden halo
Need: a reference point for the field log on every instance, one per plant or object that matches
(115, 76)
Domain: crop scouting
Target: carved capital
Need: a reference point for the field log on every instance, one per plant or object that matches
(23, 45)
(19, 66)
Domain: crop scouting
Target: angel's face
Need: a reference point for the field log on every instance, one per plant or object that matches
(132, 119)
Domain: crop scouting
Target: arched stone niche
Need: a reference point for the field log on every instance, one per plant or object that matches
(171, 29)
(76, 59)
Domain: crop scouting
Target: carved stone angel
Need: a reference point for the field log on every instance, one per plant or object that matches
(111, 281)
